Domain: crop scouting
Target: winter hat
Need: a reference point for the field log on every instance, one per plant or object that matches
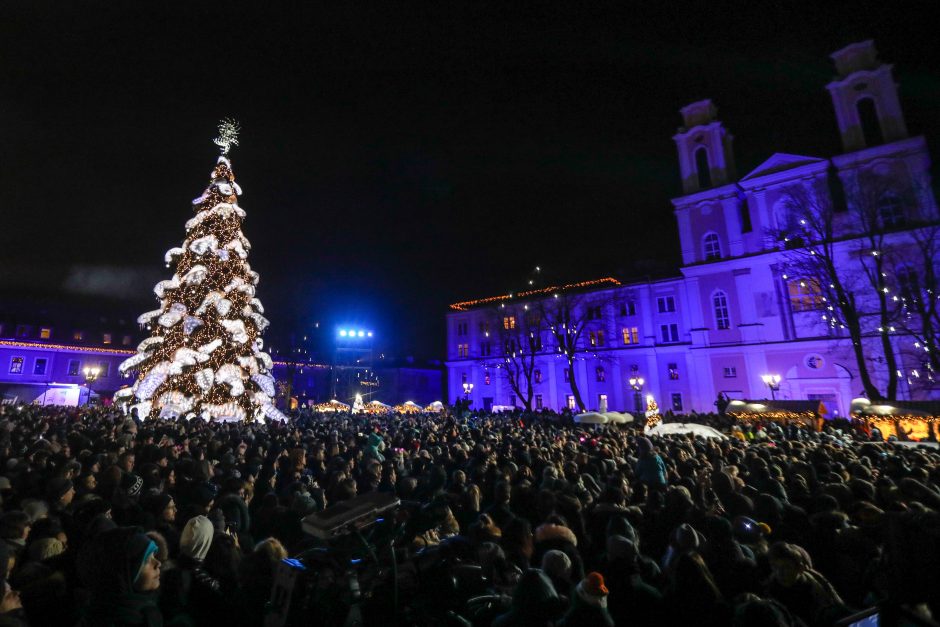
(592, 590)
(619, 547)
(156, 503)
(5, 483)
(35, 509)
(46, 548)
(131, 484)
(556, 564)
(686, 538)
(111, 562)
(202, 494)
(196, 537)
(644, 445)
(303, 504)
(57, 488)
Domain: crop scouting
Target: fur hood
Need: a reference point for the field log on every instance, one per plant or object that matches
(549, 531)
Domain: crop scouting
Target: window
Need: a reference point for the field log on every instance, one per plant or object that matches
(720, 304)
(533, 318)
(567, 375)
(673, 370)
(701, 168)
(669, 332)
(537, 375)
(485, 349)
(868, 121)
(631, 335)
(74, 366)
(106, 338)
(485, 327)
(600, 374)
(665, 304)
(538, 401)
(594, 312)
(461, 328)
(509, 322)
(77, 335)
(463, 350)
(570, 401)
(104, 368)
(805, 295)
(40, 366)
(676, 401)
(126, 340)
(731, 372)
(890, 210)
(22, 330)
(908, 284)
(712, 247)
(597, 338)
(486, 378)
(628, 308)
(16, 365)
(45, 333)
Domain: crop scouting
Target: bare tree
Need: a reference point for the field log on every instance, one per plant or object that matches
(844, 257)
(519, 329)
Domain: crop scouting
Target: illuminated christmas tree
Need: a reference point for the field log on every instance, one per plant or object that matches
(204, 355)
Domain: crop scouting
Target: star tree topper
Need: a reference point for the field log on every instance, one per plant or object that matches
(228, 135)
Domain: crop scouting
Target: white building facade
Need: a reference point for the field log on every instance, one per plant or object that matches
(736, 311)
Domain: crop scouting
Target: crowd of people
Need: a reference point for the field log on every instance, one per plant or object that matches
(107, 520)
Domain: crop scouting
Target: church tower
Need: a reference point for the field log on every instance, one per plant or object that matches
(865, 98)
(705, 158)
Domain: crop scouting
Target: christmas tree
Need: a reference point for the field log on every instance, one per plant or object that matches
(204, 355)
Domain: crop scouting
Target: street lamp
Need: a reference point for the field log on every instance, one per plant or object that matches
(91, 373)
(773, 382)
(467, 388)
(636, 382)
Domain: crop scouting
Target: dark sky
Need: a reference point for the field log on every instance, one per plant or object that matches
(396, 158)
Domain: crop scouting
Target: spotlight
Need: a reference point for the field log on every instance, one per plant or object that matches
(342, 332)
(361, 334)
(369, 333)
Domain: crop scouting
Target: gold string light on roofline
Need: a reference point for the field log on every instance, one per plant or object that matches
(464, 305)
(66, 347)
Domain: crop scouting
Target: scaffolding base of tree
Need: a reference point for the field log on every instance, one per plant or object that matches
(204, 357)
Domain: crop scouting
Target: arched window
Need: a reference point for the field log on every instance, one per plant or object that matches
(701, 167)
(720, 303)
(890, 210)
(712, 246)
(908, 283)
(805, 295)
(868, 120)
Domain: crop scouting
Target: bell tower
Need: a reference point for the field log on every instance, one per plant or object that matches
(705, 158)
(865, 98)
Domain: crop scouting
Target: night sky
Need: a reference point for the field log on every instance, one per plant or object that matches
(398, 158)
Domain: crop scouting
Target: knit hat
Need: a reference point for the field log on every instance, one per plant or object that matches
(592, 590)
(131, 484)
(57, 488)
(196, 537)
(644, 445)
(556, 563)
(156, 503)
(46, 548)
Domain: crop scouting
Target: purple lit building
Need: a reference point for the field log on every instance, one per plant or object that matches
(740, 307)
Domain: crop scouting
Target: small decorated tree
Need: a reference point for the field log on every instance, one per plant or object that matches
(205, 356)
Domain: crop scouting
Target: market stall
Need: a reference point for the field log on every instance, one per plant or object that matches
(906, 420)
(435, 407)
(802, 413)
(376, 407)
(331, 406)
(408, 407)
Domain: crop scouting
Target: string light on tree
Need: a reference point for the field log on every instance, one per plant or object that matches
(204, 356)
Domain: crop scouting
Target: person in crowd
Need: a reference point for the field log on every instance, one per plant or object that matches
(781, 523)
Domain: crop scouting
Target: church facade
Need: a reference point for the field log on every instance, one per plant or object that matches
(751, 299)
